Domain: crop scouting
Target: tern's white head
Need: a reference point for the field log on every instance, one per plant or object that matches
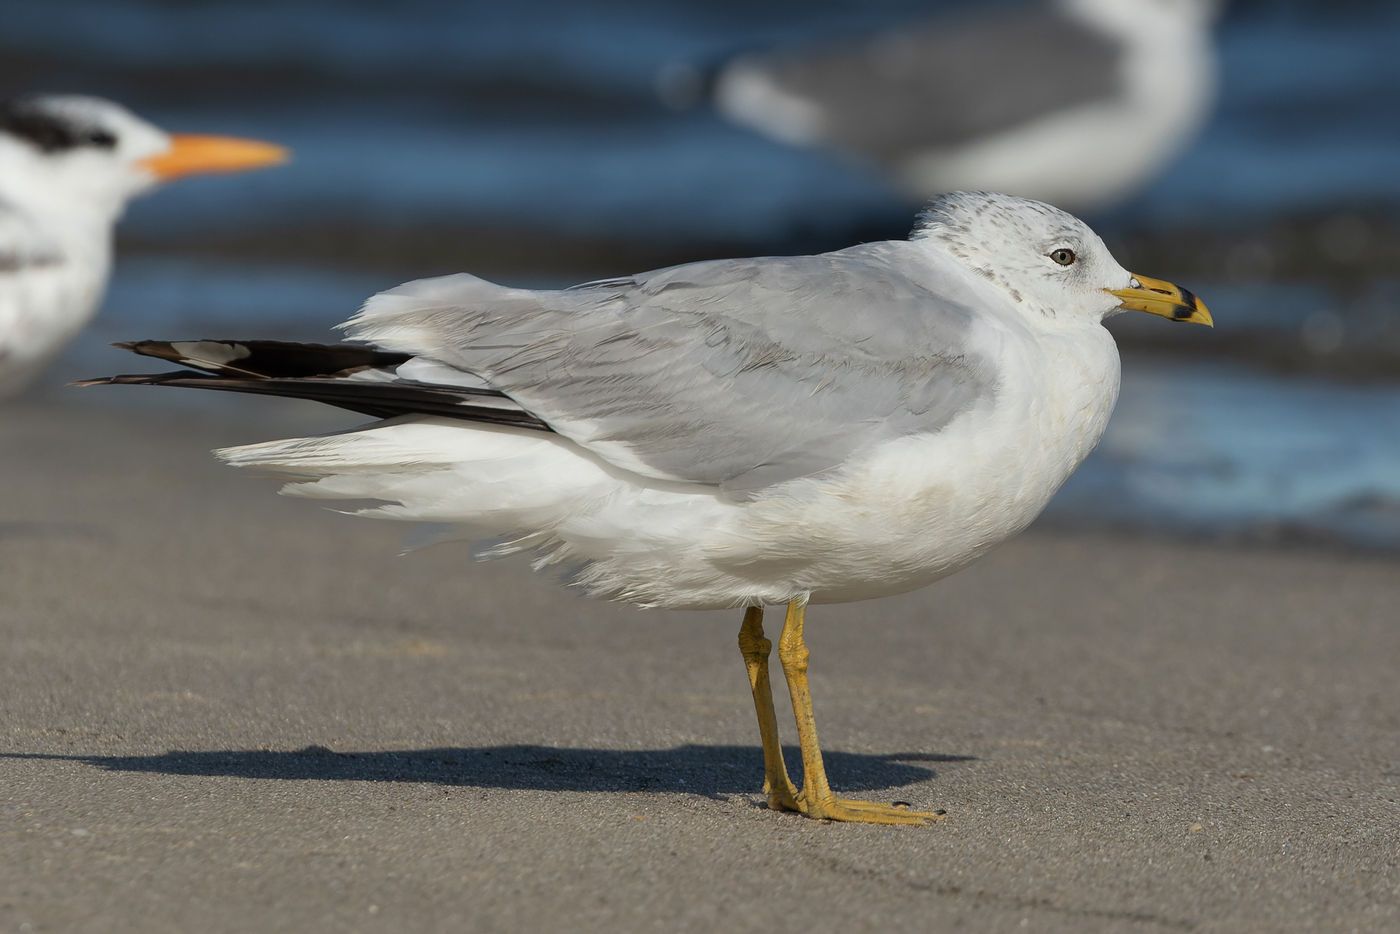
(68, 166)
(80, 159)
(1045, 260)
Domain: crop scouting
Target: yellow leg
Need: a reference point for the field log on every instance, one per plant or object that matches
(782, 794)
(815, 799)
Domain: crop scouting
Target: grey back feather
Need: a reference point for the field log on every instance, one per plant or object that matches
(735, 373)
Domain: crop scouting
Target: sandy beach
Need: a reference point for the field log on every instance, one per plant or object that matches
(223, 710)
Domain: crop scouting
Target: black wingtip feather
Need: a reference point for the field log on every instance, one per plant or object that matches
(268, 358)
(378, 400)
(320, 373)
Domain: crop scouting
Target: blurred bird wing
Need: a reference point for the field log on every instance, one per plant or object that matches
(953, 80)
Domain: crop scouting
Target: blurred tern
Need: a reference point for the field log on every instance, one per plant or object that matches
(1076, 102)
(68, 166)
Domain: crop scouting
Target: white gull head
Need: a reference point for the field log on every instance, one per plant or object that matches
(1047, 261)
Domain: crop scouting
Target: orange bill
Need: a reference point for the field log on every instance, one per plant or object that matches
(191, 154)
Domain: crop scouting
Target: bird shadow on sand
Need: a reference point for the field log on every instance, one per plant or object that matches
(703, 770)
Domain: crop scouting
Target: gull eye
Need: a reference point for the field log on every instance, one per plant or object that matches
(1064, 256)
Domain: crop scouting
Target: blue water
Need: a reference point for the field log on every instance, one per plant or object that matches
(540, 116)
(1245, 455)
(544, 111)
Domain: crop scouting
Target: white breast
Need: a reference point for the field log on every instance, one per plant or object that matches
(44, 305)
(923, 507)
(912, 511)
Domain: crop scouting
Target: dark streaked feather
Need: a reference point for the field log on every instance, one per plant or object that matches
(321, 373)
(376, 399)
(262, 358)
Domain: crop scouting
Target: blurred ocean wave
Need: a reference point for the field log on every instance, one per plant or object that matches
(1244, 455)
(545, 112)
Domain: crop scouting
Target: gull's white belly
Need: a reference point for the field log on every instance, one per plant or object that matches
(910, 512)
(920, 508)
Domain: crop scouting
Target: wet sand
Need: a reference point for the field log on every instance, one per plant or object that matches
(226, 711)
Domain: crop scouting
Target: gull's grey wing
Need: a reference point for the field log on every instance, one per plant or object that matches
(932, 84)
(737, 373)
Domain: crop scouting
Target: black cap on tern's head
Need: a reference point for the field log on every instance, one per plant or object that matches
(88, 155)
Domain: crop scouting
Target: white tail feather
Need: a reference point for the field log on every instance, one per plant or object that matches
(439, 470)
(615, 534)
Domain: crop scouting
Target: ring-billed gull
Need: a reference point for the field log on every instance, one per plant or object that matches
(736, 433)
(1028, 98)
(68, 166)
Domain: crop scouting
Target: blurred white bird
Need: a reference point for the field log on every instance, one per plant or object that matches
(68, 166)
(1076, 102)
